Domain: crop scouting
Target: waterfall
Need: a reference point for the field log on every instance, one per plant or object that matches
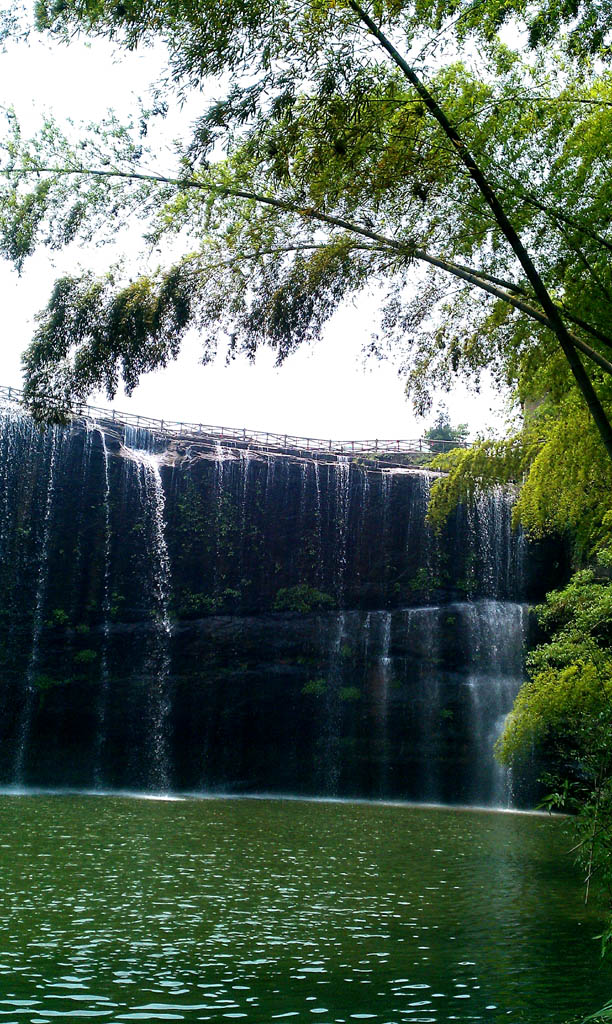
(89, 432)
(52, 440)
(342, 501)
(423, 629)
(496, 552)
(245, 462)
(302, 501)
(319, 523)
(331, 762)
(12, 424)
(398, 692)
(364, 498)
(106, 613)
(156, 667)
(386, 496)
(382, 683)
(495, 636)
(219, 490)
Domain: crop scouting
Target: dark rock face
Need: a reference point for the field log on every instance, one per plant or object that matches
(176, 616)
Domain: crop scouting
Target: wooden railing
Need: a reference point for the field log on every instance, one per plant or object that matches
(243, 436)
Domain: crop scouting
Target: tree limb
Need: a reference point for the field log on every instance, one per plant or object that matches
(541, 292)
(480, 279)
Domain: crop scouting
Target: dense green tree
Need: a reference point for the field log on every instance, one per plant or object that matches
(335, 162)
(563, 713)
(442, 435)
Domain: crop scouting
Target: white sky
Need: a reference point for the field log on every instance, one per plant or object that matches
(321, 391)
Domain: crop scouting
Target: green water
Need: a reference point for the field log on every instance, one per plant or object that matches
(117, 909)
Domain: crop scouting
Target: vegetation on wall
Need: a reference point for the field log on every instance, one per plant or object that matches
(302, 598)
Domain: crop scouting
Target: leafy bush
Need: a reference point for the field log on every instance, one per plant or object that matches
(85, 657)
(350, 693)
(302, 599)
(59, 617)
(564, 713)
(315, 687)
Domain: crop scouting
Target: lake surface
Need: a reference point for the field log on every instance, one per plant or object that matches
(118, 909)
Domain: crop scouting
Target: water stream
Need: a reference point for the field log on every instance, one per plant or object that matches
(52, 440)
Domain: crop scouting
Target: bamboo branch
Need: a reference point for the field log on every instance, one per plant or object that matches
(479, 279)
(541, 292)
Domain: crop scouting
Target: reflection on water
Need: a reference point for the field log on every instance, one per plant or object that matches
(214, 910)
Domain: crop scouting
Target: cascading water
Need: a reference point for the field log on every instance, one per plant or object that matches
(495, 633)
(343, 495)
(106, 610)
(319, 524)
(89, 432)
(156, 665)
(330, 761)
(423, 632)
(384, 669)
(249, 622)
(53, 439)
(245, 462)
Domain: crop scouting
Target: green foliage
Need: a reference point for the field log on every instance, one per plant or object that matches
(564, 713)
(321, 172)
(558, 468)
(302, 598)
(421, 580)
(43, 682)
(194, 605)
(442, 435)
(601, 1015)
(349, 694)
(315, 687)
(85, 657)
(569, 694)
(59, 617)
(117, 600)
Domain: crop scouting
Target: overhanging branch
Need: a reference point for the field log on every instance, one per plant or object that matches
(510, 233)
(497, 287)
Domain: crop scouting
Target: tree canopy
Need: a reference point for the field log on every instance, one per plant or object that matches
(453, 158)
(442, 435)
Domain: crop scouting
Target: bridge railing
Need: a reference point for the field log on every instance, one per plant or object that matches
(251, 438)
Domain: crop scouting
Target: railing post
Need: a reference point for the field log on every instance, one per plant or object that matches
(9, 394)
(376, 445)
